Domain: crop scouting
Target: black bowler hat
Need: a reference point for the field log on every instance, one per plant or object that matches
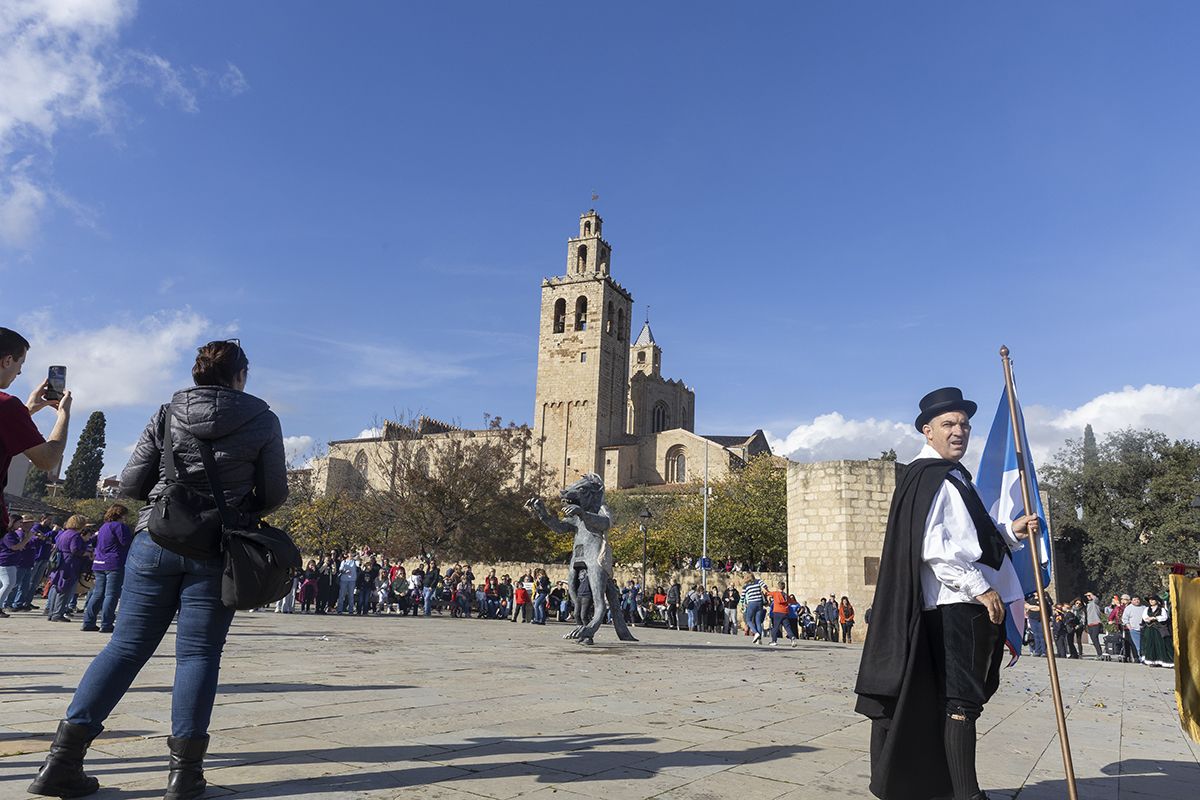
(939, 401)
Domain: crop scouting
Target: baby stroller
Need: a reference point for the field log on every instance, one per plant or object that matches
(1114, 647)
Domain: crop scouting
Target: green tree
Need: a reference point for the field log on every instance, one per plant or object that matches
(88, 461)
(1123, 504)
(35, 483)
(461, 497)
(747, 519)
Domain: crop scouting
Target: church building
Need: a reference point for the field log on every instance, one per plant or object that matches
(601, 402)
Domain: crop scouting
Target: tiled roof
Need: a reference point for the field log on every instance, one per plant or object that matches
(28, 505)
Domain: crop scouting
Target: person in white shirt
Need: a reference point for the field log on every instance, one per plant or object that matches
(347, 579)
(937, 635)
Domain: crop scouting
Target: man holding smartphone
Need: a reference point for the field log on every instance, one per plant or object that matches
(18, 434)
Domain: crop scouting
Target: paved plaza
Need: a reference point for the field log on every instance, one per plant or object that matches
(449, 709)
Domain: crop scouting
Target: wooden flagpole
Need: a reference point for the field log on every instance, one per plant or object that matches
(1034, 535)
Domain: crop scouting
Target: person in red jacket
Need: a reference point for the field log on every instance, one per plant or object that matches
(520, 602)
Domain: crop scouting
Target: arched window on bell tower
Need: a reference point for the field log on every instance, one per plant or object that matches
(581, 314)
(581, 258)
(560, 315)
(608, 319)
(587, 228)
(620, 324)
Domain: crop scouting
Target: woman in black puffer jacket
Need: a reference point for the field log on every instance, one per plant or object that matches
(248, 446)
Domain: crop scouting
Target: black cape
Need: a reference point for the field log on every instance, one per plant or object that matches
(896, 685)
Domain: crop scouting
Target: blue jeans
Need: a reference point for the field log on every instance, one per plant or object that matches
(9, 581)
(1039, 637)
(539, 608)
(159, 582)
(428, 600)
(754, 617)
(345, 601)
(32, 581)
(102, 601)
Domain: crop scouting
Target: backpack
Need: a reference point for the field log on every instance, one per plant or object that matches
(689, 604)
(182, 520)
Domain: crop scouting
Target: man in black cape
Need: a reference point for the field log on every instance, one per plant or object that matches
(932, 658)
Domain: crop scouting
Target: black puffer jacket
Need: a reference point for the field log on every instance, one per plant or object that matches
(247, 443)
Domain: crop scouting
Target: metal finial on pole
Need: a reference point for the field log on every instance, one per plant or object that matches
(1060, 716)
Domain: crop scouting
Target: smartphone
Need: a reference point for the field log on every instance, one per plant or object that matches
(58, 383)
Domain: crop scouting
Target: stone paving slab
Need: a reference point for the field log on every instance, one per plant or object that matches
(445, 709)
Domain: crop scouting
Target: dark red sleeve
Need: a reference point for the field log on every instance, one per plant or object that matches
(17, 431)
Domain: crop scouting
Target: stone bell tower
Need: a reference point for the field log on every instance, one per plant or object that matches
(583, 358)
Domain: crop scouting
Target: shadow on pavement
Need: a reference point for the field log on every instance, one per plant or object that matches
(553, 760)
(1133, 778)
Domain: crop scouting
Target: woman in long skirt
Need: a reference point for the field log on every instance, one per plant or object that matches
(1157, 650)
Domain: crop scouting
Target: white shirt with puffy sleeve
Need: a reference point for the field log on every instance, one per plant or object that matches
(949, 569)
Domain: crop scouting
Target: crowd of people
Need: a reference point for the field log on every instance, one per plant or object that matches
(40, 558)
(362, 583)
(1124, 629)
(77, 567)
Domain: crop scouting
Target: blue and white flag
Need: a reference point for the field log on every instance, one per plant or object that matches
(998, 482)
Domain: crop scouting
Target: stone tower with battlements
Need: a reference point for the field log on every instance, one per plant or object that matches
(583, 358)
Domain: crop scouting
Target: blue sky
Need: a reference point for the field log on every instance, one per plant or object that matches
(831, 209)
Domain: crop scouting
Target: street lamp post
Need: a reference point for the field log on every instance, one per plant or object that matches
(644, 518)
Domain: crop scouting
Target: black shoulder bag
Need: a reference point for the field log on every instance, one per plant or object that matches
(182, 520)
(260, 561)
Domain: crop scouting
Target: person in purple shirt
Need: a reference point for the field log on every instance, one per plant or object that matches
(39, 548)
(13, 545)
(72, 554)
(108, 566)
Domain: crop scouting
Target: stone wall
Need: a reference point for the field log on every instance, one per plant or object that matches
(837, 515)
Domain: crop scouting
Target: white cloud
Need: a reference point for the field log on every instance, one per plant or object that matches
(52, 57)
(1174, 411)
(830, 437)
(369, 433)
(232, 81)
(296, 448)
(21, 203)
(152, 70)
(61, 64)
(130, 362)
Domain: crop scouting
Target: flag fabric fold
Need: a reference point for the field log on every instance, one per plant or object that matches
(998, 481)
(1185, 625)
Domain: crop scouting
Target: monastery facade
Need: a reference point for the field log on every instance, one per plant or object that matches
(601, 402)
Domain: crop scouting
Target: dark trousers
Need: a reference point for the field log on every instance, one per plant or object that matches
(1094, 635)
(1064, 645)
(778, 623)
(967, 650)
(673, 615)
(833, 630)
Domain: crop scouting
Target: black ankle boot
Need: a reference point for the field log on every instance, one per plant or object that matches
(62, 774)
(186, 781)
